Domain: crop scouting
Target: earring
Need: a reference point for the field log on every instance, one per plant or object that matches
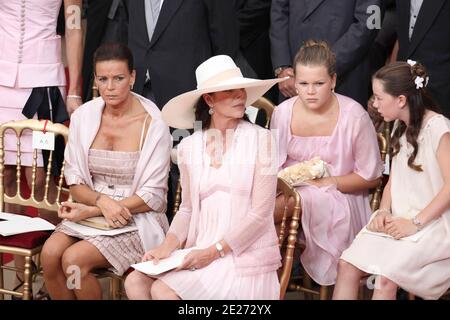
(211, 111)
(332, 89)
(131, 87)
(296, 91)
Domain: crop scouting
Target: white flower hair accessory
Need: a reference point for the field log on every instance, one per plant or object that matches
(411, 62)
(419, 82)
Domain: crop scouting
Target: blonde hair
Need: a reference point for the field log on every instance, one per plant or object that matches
(316, 53)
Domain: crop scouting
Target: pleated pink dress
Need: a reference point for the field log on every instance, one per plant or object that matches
(219, 280)
(331, 219)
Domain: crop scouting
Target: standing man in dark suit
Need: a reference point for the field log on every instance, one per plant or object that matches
(343, 24)
(184, 33)
(423, 29)
(254, 23)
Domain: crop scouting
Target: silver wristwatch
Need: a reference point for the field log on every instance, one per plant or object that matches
(220, 249)
(279, 70)
(417, 223)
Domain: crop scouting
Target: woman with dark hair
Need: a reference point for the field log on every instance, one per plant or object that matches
(117, 164)
(407, 241)
(228, 180)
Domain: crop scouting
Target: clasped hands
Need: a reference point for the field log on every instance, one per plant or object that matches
(396, 227)
(114, 212)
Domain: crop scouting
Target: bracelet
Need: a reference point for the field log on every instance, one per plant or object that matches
(417, 223)
(71, 96)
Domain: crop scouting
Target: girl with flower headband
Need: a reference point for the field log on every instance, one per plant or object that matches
(407, 241)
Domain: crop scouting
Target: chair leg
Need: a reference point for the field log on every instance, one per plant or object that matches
(323, 293)
(27, 289)
(2, 285)
(307, 283)
(114, 288)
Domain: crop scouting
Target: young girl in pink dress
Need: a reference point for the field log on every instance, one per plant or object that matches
(320, 123)
(407, 242)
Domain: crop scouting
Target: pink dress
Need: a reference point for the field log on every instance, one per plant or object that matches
(30, 57)
(330, 218)
(219, 280)
(112, 174)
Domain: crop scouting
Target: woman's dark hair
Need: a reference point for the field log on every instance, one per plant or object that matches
(398, 79)
(316, 53)
(114, 51)
(202, 114)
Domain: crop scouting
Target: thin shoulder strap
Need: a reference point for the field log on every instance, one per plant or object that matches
(142, 132)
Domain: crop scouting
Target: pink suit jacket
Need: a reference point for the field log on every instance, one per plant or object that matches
(30, 49)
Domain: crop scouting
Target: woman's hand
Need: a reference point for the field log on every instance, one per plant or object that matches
(75, 211)
(115, 214)
(399, 227)
(158, 253)
(197, 259)
(378, 223)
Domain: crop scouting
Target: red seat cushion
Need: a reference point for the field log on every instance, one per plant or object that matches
(27, 240)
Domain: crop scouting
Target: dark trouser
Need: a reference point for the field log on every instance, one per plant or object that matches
(174, 173)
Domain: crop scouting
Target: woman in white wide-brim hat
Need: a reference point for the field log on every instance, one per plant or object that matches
(228, 177)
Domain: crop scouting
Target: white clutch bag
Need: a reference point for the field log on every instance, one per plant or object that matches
(298, 173)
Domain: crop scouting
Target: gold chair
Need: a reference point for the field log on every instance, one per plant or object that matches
(267, 107)
(288, 241)
(304, 283)
(28, 244)
(383, 143)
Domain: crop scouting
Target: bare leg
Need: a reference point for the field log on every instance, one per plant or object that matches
(385, 289)
(54, 275)
(137, 286)
(347, 282)
(78, 262)
(160, 291)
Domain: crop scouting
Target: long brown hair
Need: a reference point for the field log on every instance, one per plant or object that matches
(398, 79)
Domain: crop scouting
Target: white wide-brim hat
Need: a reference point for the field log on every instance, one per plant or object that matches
(218, 73)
